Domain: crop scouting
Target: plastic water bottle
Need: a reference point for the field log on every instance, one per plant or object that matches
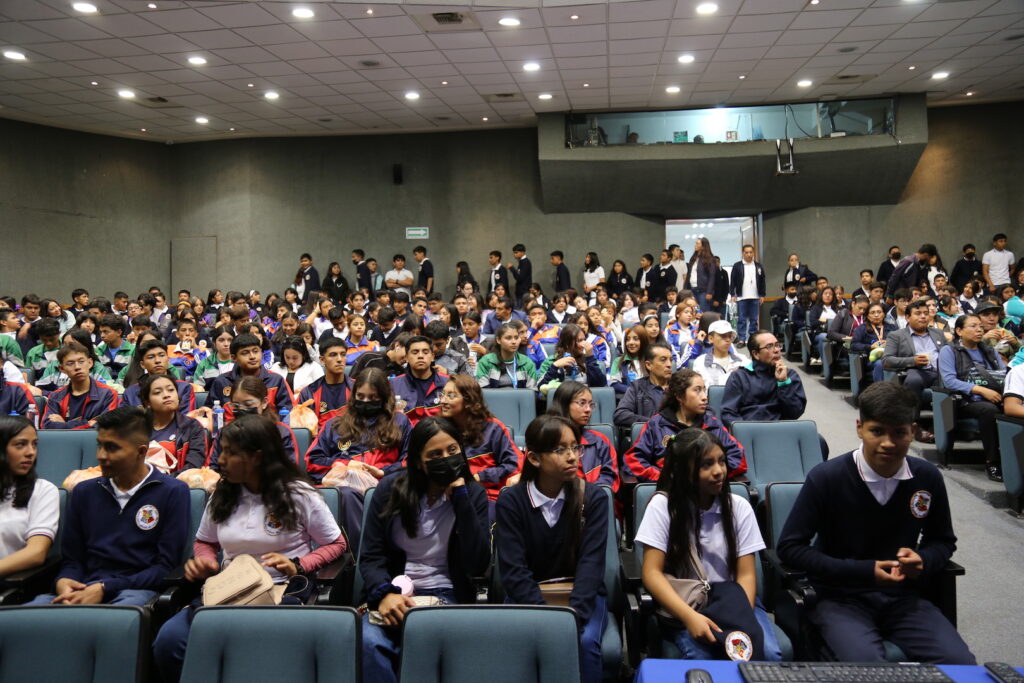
(630, 375)
(284, 416)
(33, 414)
(218, 417)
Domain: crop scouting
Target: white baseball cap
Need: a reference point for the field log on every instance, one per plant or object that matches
(721, 327)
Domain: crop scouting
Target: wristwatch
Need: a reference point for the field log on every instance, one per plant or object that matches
(298, 566)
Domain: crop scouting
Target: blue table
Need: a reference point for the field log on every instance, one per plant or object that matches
(674, 671)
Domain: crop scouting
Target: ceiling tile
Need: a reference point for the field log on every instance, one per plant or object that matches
(345, 48)
(327, 30)
(856, 33)
(69, 29)
(642, 10)
(530, 36)
(180, 20)
(149, 63)
(888, 15)
(386, 26)
(762, 39)
(477, 55)
(270, 35)
(926, 29)
(111, 47)
(407, 59)
(577, 34)
(761, 22)
(825, 19)
(455, 41)
(238, 16)
(698, 27)
(404, 44)
(580, 49)
(582, 62)
(294, 51)
(638, 29)
(64, 51)
(808, 36)
(14, 33)
(621, 47)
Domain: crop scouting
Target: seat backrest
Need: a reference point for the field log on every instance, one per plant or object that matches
(64, 450)
(642, 494)
(779, 499)
(197, 506)
(611, 553)
(201, 398)
(778, 451)
(357, 580)
(316, 644)
(333, 500)
(604, 411)
(58, 538)
(634, 432)
(436, 644)
(86, 643)
(1011, 450)
(515, 407)
(303, 437)
(605, 430)
(715, 396)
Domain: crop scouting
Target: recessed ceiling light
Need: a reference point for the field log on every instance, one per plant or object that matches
(911, 68)
(672, 89)
(805, 83)
(127, 94)
(303, 13)
(84, 7)
(271, 95)
(231, 129)
(742, 77)
(969, 93)
(250, 85)
(15, 55)
(444, 82)
(586, 85)
(707, 8)
(151, 5)
(484, 118)
(939, 75)
(544, 96)
(197, 61)
(814, 2)
(686, 59)
(142, 129)
(412, 95)
(531, 66)
(508, 21)
(93, 83)
(574, 17)
(369, 11)
(202, 119)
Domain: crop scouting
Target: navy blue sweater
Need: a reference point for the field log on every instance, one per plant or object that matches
(530, 551)
(853, 530)
(134, 548)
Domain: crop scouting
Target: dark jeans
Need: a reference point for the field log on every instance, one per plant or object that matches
(748, 310)
(985, 413)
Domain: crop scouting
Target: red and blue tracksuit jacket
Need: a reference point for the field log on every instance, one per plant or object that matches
(278, 396)
(328, 399)
(546, 334)
(495, 458)
(423, 398)
(599, 463)
(685, 346)
(534, 351)
(328, 448)
(186, 440)
(646, 456)
(14, 398)
(287, 440)
(186, 397)
(353, 351)
(78, 410)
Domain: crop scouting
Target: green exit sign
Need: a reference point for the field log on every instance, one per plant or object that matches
(417, 233)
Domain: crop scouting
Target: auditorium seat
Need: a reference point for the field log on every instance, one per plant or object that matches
(64, 450)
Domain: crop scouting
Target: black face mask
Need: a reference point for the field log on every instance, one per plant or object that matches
(969, 255)
(367, 408)
(443, 471)
(246, 411)
(896, 256)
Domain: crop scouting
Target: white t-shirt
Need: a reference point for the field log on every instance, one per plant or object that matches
(38, 518)
(12, 374)
(681, 269)
(426, 556)
(999, 264)
(252, 530)
(592, 279)
(749, 290)
(654, 528)
(398, 276)
(1014, 384)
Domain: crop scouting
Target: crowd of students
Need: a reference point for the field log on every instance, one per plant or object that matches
(393, 374)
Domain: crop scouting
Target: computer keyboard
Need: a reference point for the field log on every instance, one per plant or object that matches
(838, 672)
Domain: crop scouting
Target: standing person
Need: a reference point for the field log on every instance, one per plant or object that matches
(911, 271)
(552, 525)
(702, 271)
(497, 275)
(679, 265)
(562, 280)
(967, 269)
(887, 266)
(644, 276)
(335, 286)
(663, 277)
(307, 280)
(363, 280)
(748, 289)
(398, 279)
(997, 264)
(29, 505)
(427, 523)
(620, 281)
(425, 278)
(523, 273)
(798, 272)
(593, 275)
(882, 524)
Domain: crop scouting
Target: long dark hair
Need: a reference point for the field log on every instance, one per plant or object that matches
(350, 426)
(477, 414)
(10, 427)
(707, 258)
(565, 394)
(543, 436)
(681, 380)
(567, 344)
(412, 484)
(146, 387)
(278, 473)
(680, 480)
(464, 273)
(84, 338)
(594, 262)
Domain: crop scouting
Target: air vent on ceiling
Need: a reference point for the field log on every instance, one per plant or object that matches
(157, 103)
(369, 63)
(848, 49)
(447, 22)
(503, 97)
(849, 79)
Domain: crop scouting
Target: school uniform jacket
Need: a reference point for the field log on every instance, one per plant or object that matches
(421, 401)
(328, 399)
(646, 457)
(311, 277)
(186, 397)
(524, 277)
(562, 279)
(97, 400)
(122, 357)
(495, 458)
(599, 464)
(658, 280)
(14, 398)
(591, 374)
(489, 370)
(133, 548)
(329, 448)
(801, 272)
(736, 279)
(545, 334)
(500, 277)
(186, 440)
(753, 393)
(618, 283)
(278, 396)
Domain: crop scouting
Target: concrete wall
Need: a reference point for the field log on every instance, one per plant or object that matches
(966, 187)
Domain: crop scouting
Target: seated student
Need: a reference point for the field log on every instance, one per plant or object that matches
(595, 316)
(915, 349)
(449, 315)
(822, 314)
(685, 405)
(573, 359)
(418, 390)
(387, 327)
(183, 437)
(77, 405)
(15, 395)
(870, 555)
(503, 313)
(247, 353)
(552, 525)
(493, 456)
(427, 523)
(990, 311)
(684, 336)
(451, 361)
(765, 389)
(259, 483)
(597, 342)
(897, 316)
(540, 329)
(975, 373)
(357, 342)
(628, 367)
(390, 361)
(599, 463)
(10, 350)
(559, 309)
(189, 350)
(716, 365)
(782, 309)
(126, 530)
(219, 360)
(479, 344)
(506, 367)
(52, 378)
(650, 324)
(288, 325)
(29, 506)
(152, 355)
(644, 397)
(532, 349)
(329, 393)
(133, 372)
(249, 397)
(296, 367)
(337, 326)
(115, 353)
(870, 337)
(318, 319)
(40, 356)
(27, 336)
(694, 504)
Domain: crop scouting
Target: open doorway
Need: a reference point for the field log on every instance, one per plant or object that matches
(726, 235)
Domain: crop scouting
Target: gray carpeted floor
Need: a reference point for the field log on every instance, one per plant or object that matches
(990, 597)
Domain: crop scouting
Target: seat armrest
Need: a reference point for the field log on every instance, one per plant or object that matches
(632, 570)
(953, 569)
(793, 581)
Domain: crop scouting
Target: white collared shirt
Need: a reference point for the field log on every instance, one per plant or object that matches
(551, 508)
(122, 497)
(749, 289)
(881, 487)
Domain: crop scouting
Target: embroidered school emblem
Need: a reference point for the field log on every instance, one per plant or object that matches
(738, 646)
(147, 517)
(323, 407)
(920, 503)
(344, 445)
(227, 391)
(271, 525)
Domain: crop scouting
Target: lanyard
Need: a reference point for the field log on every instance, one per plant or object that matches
(515, 372)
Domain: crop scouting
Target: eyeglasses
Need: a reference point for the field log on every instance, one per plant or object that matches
(771, 347)
(563, 451)
(585, 404)
(450, 396)
(244, 406)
